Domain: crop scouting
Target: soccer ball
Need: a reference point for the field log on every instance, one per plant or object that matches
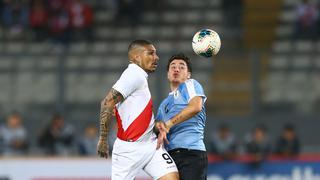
(206, 43)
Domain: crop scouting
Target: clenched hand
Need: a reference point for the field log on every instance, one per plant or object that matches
(103, 148)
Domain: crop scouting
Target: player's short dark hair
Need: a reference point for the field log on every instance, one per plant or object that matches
(182, 57)
(138, 42)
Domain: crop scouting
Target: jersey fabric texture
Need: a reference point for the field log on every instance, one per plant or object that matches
(188, 134)
(134, 115)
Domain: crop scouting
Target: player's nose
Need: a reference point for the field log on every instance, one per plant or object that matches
(156, 58)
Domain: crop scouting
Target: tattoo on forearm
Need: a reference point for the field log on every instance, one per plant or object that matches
(105, 117)
(106, 111)
(175, 120)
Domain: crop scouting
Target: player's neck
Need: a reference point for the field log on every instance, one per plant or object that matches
(174, 86)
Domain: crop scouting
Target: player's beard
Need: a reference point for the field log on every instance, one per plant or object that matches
(150, 71)
(152, 68)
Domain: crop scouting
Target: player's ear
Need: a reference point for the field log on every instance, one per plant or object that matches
(189, 75)
(134, 55)
(138, 58)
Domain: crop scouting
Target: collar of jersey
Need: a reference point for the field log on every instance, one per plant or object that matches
(172, 92)
(139, 69)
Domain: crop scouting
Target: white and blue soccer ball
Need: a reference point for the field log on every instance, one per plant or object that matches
(206, 43)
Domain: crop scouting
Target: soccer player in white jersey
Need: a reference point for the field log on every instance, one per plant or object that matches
(135, 148)
(182, 115)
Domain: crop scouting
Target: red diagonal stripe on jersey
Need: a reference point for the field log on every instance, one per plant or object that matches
(137, 127)
(119, 122)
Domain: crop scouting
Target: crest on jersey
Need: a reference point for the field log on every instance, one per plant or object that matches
(176, 94)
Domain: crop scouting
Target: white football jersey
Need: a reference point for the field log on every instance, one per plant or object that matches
(134, 115)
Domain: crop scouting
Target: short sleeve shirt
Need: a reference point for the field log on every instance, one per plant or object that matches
(134, 115)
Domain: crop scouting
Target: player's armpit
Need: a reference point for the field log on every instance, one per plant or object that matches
(112, 98)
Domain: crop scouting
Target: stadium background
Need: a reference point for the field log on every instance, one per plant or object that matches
(262, 74)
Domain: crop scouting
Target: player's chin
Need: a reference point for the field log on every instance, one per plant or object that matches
(151, 70)
(177, 80)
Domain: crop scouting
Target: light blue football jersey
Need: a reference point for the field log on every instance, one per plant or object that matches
(190, 133)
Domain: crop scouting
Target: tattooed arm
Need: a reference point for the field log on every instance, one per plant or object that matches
(106, 113)
(194, 107)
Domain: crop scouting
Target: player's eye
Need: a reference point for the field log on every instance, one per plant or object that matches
(152, 53)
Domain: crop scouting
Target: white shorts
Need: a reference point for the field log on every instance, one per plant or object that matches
(129, 158)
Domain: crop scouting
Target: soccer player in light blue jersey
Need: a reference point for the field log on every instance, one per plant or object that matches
(181, 120)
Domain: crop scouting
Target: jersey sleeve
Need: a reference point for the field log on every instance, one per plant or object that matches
(193, 88)
(128, 83)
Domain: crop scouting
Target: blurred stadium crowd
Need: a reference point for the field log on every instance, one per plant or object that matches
(54, 19)
(60, 138)
(63, 20)
(72, 21)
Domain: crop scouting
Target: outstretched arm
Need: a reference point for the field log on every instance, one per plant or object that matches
(106, 113)
(193, 108)
(161, 128)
